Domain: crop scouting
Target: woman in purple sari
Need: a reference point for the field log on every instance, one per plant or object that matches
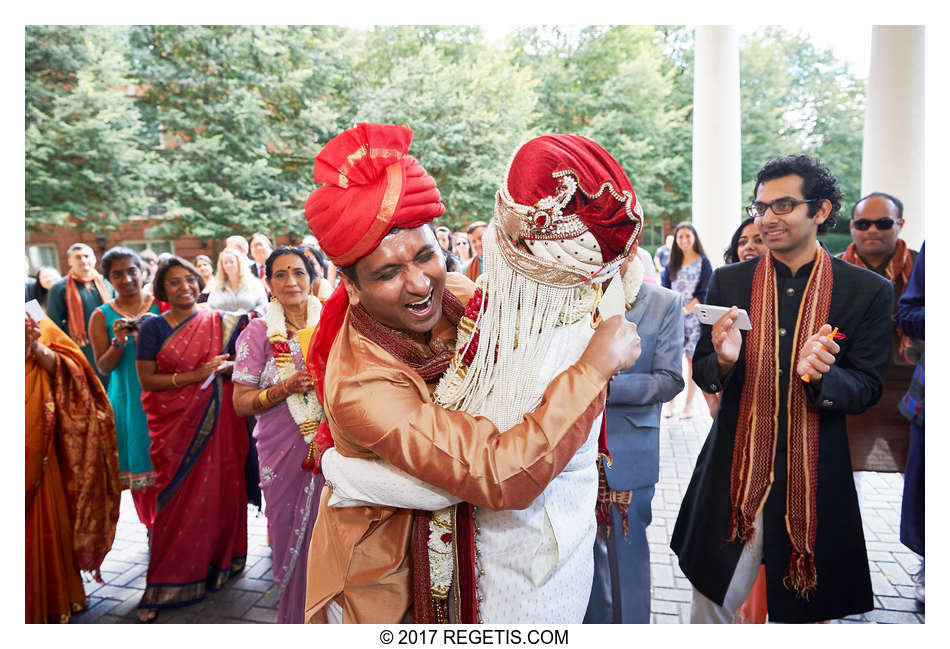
(271, 382)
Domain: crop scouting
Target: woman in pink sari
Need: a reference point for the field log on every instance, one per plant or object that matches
(280, 393)
(198, 444)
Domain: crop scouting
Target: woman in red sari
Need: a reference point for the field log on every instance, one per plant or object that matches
(198, 444)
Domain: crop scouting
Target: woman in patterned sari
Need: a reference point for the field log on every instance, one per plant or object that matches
(72, 474)
(198, 444)
(280, 392)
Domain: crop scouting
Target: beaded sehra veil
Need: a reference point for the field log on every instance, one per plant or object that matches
(551, 280)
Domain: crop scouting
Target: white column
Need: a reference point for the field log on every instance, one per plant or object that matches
(717, 135)
(892, 159)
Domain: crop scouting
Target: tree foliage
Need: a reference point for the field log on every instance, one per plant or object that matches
(467, 117)
(221, 128)
(85, 158)
(798, 98)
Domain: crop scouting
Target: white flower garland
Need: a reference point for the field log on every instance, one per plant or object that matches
(441, 559)
(632, 280)
(304, 408)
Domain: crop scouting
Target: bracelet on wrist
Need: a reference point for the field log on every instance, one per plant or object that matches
(263, 401)
(115, 343)
(175, 380)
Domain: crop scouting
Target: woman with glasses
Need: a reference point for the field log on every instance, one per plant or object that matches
(462, 248)
(688, 273)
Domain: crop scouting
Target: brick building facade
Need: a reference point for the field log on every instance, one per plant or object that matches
(48, 248)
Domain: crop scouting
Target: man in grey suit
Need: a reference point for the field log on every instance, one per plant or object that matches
(621, 590)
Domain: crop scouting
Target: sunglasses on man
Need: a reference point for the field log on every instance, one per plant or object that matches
(880, 224)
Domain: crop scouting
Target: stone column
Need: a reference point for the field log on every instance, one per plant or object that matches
(717, 162)
(892, 159)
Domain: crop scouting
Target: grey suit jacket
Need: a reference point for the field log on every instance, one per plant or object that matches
(636, 394)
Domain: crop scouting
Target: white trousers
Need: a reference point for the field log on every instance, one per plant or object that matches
(706, 611)
(334, 613)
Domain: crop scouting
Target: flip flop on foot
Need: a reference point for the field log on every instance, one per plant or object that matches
(146, 615)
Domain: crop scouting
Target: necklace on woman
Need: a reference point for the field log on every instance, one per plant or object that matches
(304, 408)
(145, 303)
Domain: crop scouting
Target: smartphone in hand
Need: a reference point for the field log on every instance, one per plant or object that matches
(710, 313)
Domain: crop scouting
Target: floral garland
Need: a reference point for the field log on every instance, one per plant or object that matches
(304, 408)
(441, 559)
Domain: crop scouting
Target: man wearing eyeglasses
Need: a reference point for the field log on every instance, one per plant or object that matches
(773, 484)
(879, 436)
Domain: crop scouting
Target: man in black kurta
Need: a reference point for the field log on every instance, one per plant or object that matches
(846, 379)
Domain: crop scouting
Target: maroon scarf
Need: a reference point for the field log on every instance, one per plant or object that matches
(757, 431)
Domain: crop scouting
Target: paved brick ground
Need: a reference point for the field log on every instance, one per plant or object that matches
(891, 563)
(248, 597)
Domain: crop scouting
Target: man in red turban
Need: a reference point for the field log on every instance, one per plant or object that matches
(386, 337)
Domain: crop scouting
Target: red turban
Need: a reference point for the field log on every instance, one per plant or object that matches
(372, 185)
(604, 201)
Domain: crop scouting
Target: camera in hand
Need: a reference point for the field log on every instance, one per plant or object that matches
(135, 323)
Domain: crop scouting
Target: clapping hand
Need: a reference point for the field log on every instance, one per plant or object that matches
(299, 383)
(817, 355)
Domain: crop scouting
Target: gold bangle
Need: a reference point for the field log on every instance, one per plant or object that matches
(263, 401)
(174, 382)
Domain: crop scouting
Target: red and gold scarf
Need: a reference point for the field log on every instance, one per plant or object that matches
(427, 363)
(74, 310)
(753, 453)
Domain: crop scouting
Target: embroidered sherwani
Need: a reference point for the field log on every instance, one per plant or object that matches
(377, 406)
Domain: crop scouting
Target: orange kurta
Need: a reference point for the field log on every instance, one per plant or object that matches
(72, 483)
(377, 406)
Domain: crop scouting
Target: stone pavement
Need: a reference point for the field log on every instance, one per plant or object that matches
(891, 563)
(249, 598)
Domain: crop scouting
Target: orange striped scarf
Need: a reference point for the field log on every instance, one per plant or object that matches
(753, 453)
(897, 271)
(74, 311)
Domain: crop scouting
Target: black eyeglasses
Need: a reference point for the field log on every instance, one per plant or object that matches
(779, 206)
(880, 224)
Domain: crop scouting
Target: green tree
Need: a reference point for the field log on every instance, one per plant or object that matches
(799, 98)
(84, 155)
(467, 117)
(239, 111)
(616, 86)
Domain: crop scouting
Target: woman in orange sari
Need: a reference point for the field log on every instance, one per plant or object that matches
(198, 444)
(72, 474)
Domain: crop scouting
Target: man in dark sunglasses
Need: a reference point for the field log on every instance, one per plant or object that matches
(878, 437)
(876, 222)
